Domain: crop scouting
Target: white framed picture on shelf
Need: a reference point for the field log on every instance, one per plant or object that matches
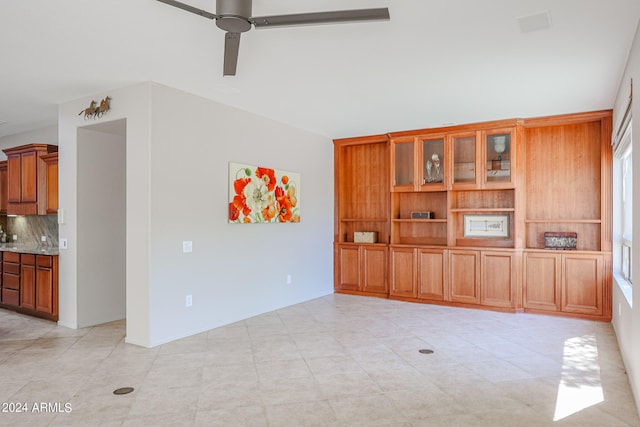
(486, 226)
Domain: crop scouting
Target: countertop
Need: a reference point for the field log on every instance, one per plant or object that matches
(29, 248)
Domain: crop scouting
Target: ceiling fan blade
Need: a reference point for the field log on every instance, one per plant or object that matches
(189, 8)
(381, 14)
(231, 48)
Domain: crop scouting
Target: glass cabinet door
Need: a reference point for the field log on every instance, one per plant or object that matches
(498, 157)
(433, 161)
(464, 160)
(403, 165)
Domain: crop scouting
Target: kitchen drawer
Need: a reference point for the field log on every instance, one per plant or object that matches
(11, 281)
(27, 259)
(10, 297)
(12, 256)
(11, 267)
(44, 261)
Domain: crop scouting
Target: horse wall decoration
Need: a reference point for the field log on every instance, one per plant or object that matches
(96, 110)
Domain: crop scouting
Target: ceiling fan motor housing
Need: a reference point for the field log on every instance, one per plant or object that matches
(234, 15)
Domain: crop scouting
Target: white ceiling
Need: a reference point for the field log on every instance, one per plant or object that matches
(434, 62)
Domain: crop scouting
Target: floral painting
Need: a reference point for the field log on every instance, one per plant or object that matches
(259, 194)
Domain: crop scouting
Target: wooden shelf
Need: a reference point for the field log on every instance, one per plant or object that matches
(563, 221)
(364, 220)
(483, 210)
(442, 220)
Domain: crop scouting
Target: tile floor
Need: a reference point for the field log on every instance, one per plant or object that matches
(334, 361)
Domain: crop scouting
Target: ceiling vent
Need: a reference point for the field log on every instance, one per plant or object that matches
(535, 22)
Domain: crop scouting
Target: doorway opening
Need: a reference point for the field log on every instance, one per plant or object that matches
(101, 223)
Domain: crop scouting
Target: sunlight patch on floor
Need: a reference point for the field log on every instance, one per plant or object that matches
(580, 386)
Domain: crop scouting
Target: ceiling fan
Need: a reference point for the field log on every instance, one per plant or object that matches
(234, 16)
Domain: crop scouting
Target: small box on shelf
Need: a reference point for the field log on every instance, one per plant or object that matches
(560, 240)
(365, 236)
(422, 215)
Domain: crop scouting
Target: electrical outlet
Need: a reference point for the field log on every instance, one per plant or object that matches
(189, 301)
(43, 238)
(15, 237)
(289, 280)
(187, 246)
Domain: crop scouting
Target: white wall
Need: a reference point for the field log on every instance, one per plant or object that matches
(626, 317)
(132, 104)
(45, 135)
(178, 147)
(102, 219)
(236, 270)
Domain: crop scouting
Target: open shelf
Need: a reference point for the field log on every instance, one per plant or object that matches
(563, 221)
(488, 200)
(364, 220)
(588, 231)
(419, 220)
(484, 210)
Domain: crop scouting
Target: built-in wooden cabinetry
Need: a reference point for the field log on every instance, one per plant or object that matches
(27, 179)
(467, 209)
(30, 284)
(362, 204)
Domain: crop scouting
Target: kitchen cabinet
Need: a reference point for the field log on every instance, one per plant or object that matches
(30, 284)
(3, 187)
(51, 162)
(46, 283)
(11, 279)
(27, 179)
(28, 281)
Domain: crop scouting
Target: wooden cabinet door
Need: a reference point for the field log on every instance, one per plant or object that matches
(498, 286)
(29, 177)
(464, 276)
(542, 281)
(403, 283)
(582, 284)
(3, 188)
(403, 164)
(52, 183)
(431, 274)
(14, 181)
(44, 290)
(349, 268)
(27, 286)
(374, 269)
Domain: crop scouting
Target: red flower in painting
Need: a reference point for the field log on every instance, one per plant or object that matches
(239, 203)
(268, 176)
(234, 213)
(269, 212)
(284, 205)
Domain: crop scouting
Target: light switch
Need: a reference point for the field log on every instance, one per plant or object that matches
(187, 246)
(62, 244)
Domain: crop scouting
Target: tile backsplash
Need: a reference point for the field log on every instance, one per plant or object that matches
(31, 228)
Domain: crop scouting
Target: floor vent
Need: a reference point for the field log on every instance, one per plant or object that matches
(123, 390)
